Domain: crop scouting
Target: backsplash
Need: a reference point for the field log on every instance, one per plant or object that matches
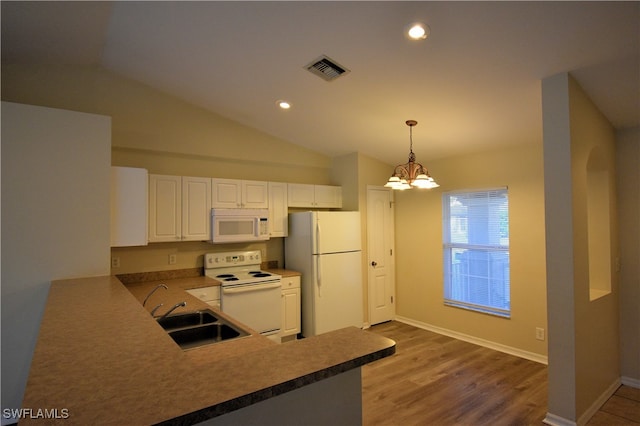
(141, 277)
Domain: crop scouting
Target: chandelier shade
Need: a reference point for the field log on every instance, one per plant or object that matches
(411, 174)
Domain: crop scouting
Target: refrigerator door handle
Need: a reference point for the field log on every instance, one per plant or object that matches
(318, 237)
(318, 277)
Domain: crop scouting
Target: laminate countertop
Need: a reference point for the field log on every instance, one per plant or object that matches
(101, 358)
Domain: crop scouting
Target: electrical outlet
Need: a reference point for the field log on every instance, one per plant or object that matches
(115, 262)
(173, 259)
(539, 333)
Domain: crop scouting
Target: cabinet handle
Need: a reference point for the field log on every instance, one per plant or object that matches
(374, 264)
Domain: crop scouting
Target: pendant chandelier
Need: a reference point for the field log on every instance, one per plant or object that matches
(411, 174)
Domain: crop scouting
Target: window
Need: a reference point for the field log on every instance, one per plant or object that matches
(476, 251)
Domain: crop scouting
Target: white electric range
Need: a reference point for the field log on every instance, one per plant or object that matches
(248, 294)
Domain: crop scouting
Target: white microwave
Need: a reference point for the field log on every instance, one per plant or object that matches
(239, 225)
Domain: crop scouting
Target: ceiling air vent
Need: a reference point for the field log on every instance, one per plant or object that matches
(326, 68)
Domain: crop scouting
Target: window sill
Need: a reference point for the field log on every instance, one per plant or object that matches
(595, 294)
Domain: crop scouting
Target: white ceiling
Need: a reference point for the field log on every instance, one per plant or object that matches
(474, 84)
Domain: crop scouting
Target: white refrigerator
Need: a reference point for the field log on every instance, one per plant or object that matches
(325, 248)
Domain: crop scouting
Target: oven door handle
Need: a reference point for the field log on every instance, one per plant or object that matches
(246, 289)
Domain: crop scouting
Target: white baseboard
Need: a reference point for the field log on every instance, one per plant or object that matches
(628, 381)
(599, 402)
(477, 341)
(553, 420)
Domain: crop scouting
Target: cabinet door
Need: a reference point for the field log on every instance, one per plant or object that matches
(327, 196)
(290, 306)
(255, 194)
(129, 206)
(300, 195)
(196, 208)
(226, 193)
(165, 208)
(278, 222)
(210, 295)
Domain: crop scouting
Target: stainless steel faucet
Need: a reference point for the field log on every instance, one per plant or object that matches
(177, 305)
(153, 311)
(153, 291)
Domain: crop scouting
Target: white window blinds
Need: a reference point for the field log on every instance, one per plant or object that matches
(476, 250)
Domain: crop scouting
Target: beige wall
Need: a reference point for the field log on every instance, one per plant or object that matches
(584, 354)
(162, 128)
(628, 182)
(597, 355)
(419, 247)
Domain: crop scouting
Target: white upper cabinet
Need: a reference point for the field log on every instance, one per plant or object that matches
(226, 193)
(235, 194)
(314, 196)
(255, 194)
(129, 193)
(278, 220)
(301, 195)
(165, 208)
(328, 196)
(179, 208)
(196, 208)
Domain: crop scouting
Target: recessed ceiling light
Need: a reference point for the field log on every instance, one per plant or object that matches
(418, 31)
(283, 104)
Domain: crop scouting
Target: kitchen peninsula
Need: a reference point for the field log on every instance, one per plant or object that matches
(102, 359)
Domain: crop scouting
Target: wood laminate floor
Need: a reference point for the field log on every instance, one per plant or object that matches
(437, 380)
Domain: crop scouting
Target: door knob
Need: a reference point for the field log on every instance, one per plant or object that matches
(374, 264)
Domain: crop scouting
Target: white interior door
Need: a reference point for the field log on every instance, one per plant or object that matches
(381, 270)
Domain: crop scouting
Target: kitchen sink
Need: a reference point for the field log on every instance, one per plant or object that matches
(193, 337)
(188, 319)
(198, 328)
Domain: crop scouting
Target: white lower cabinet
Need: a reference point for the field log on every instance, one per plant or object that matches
(210, 295)
(290, 306)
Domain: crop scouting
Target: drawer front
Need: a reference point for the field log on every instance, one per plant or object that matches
(206, 294)
(290, 282)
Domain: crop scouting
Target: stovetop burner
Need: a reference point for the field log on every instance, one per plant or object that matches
(260, 274)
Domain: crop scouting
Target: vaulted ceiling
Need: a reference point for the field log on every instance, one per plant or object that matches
(473, 84)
